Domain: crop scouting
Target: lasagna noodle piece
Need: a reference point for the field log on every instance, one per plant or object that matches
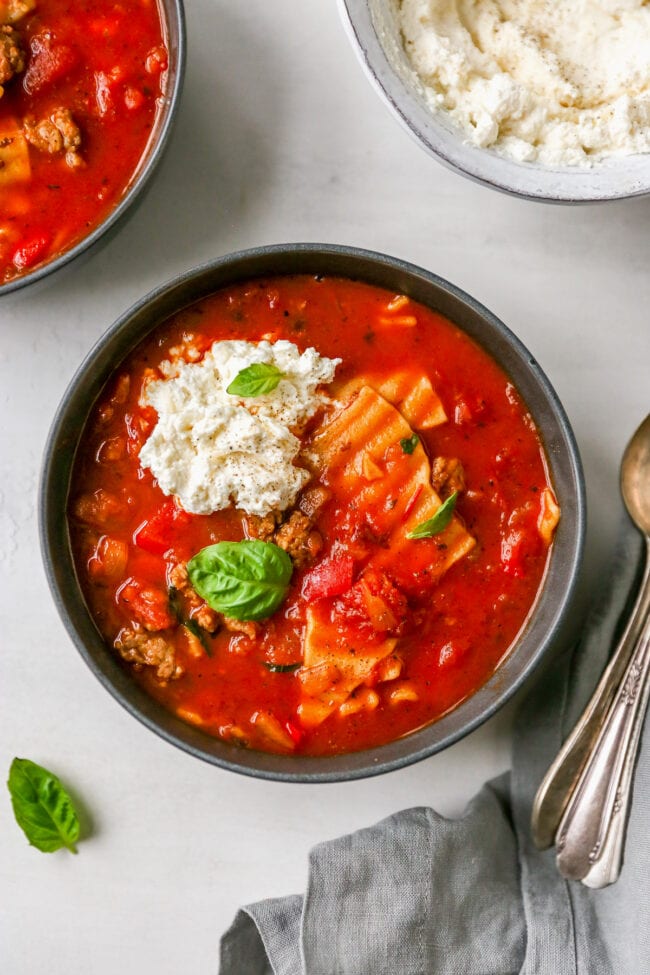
(399, 500)
(336, 663)
(549, 515)
(14, 154)
(410, 391)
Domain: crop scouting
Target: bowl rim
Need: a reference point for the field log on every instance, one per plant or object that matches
(172, 14)
(459, 156)
(70, 418)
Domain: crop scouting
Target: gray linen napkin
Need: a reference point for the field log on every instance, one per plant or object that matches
(418, 894)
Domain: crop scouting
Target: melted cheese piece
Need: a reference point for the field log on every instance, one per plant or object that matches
(336, 661)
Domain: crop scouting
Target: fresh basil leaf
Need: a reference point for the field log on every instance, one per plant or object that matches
(43, 809)
(438, 523)
(255, 380)
(282, 668)
(246, 580)
(408, 444)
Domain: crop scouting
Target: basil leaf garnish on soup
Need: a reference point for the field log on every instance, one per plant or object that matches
(255, 380)
(42, 807)
(244, 580)
(408, 444)
(438, 523)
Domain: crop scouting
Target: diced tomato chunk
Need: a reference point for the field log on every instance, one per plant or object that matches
(374, 605)
(156, 60)
(49, 62)
(331, 577)
(109, 559)
(111, 450)
(105, 85)
(133, 98)
(149, 606)
(296, 733)
(158, 533)
(520, 540)
(99, 508)
(453, 652)
(512, 553)
(31, 252)
(462, 413)
(122, 389)
(105, 26)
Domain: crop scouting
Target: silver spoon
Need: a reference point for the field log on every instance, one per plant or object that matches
(583, 800)
(607, 865)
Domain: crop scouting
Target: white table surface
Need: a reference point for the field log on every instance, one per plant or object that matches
(280, 138)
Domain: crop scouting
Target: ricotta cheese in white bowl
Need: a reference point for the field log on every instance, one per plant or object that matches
(548, 99)
(555, 81)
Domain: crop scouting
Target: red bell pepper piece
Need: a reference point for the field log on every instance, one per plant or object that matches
(30, 252)
(158, 533)
(149, 605)
(331, 577)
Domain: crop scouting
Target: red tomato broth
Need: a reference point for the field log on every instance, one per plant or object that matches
(455, 637)
(111, 75)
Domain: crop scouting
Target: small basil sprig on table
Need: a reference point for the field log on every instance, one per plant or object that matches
(43, 809)
(408, 444)
(245, 580)
(439, 521)
(255, 380)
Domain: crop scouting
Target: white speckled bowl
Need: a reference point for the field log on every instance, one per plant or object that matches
(374, 32)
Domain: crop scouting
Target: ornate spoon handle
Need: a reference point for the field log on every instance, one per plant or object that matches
(558, 783)
(608, 865)
(599, 795)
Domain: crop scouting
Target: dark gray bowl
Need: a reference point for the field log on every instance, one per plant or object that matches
(173, 16)
(547, 620)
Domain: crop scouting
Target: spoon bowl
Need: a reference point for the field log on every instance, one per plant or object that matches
(635, 477)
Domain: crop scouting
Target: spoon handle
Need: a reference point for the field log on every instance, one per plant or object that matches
(607, 867)
(598, 797)
(559, 782)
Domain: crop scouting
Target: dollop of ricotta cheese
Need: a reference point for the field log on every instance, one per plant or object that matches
(212, 449)
(561, 82)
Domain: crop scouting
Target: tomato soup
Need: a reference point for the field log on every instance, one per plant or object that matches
(79, 88)
(395, 578)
